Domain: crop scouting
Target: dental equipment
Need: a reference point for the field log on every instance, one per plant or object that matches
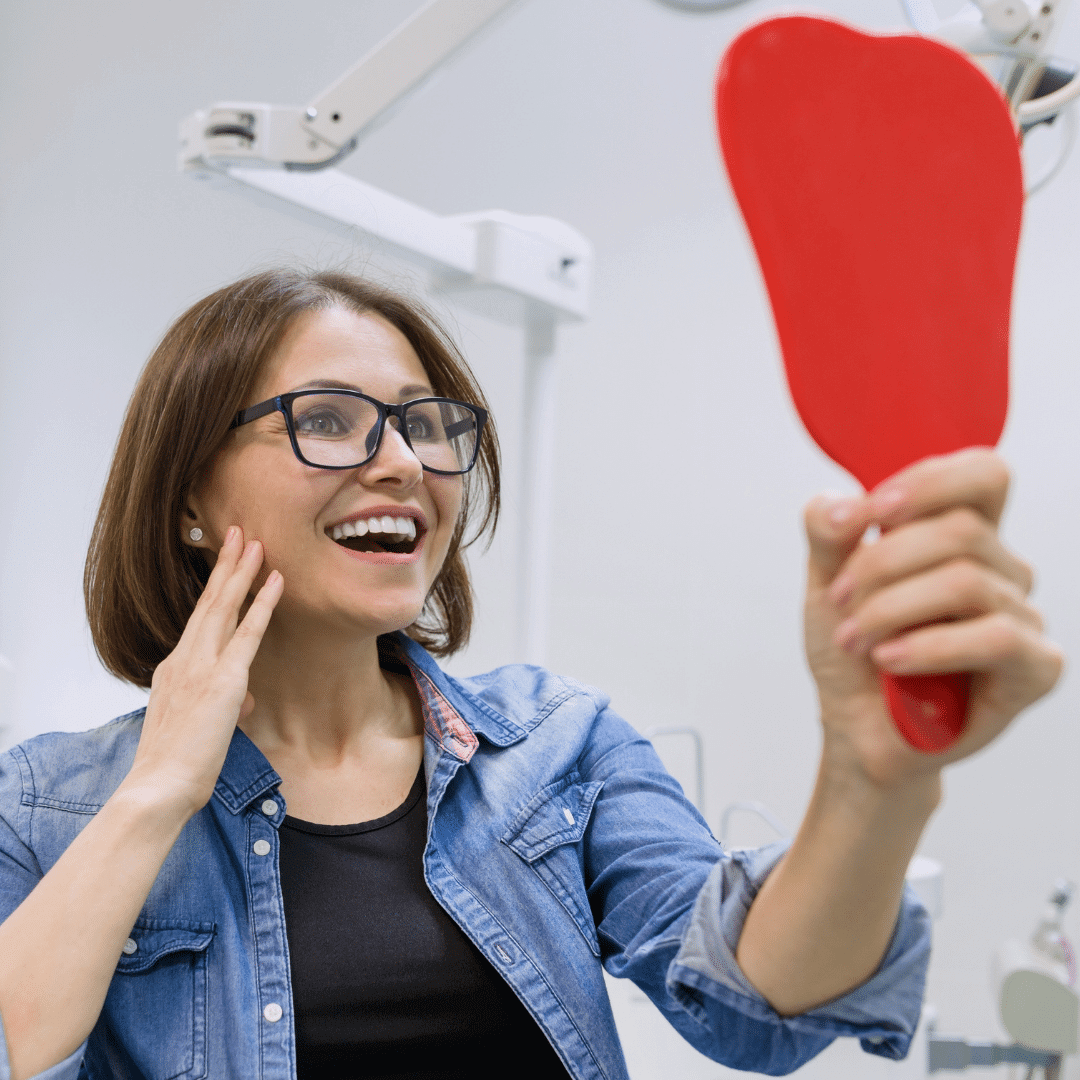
(517, 269)
(1011, 40)
(1039, 1007)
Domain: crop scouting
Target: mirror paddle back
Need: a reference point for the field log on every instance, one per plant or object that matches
(880, 181)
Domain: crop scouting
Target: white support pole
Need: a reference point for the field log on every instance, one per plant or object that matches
(538, 459)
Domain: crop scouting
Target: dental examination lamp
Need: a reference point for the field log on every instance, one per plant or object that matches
(1010, 40)
(522, 270)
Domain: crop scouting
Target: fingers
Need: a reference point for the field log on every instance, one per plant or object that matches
(834, 526)
(245, 642)
(959, 534)
(937, 592)
(993, 642)
(958, 590)
(971, 485)
(977, 478)
(217, 611)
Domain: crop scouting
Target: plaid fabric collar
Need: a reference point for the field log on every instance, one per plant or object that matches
(442, 722)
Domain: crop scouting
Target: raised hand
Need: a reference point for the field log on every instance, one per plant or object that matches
(937, 592)
(199, 691)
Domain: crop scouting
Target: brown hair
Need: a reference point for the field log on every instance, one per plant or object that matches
(141, 583)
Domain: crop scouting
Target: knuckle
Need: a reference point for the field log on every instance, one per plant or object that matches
(966, 528)
(998, 475)
(163, 673)
(1004, 636)
(1027, 576)
(863, 566)
(1055, 663)
(968, 582)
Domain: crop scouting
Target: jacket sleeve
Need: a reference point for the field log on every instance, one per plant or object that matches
(670, 904)
(19, 873)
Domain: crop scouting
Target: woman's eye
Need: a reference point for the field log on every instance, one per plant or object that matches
(322, 422)
(422, 427)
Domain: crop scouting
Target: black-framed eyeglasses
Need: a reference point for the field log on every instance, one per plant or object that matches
(343, 429)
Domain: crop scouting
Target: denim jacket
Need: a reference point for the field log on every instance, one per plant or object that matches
(556, 841)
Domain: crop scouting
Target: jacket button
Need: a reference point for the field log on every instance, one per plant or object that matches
(261, 847)
(272, 1012)
(269, 808)
(130, 946)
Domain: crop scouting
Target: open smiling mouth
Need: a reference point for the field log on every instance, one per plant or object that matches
(396, 535)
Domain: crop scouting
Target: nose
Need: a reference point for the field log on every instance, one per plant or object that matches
(394, 462)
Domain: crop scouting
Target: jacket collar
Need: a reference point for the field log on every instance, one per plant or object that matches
(246, 774)
(475, 714)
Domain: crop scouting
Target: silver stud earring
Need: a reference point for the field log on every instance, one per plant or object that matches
(195, 534)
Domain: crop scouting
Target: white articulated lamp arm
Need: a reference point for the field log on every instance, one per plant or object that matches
(508, 266)
(320, 134)
(395, 67)
(511, 266)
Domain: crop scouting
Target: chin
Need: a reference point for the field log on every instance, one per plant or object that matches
(386, 618)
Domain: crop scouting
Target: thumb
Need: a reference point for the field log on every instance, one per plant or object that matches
(834, 526)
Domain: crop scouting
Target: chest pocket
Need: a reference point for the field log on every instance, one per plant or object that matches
(156, 1005)
(547, 835)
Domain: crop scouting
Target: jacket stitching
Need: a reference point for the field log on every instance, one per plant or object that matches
(63, 804)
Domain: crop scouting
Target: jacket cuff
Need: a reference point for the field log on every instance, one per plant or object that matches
(883, 1012)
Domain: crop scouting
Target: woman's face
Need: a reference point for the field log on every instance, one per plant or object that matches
(353, 585)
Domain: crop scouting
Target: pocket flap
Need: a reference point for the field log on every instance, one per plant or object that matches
(556, 815)
(155, 938)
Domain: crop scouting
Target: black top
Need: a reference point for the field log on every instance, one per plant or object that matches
(385, 983)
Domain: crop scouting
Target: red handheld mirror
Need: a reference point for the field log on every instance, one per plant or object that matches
(880, 180)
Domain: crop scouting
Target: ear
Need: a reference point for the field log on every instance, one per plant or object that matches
(193, 527)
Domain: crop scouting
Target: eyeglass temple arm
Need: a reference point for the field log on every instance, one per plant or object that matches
(454, 430)
(245, 416)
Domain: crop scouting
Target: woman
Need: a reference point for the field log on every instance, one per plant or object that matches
(318, 853)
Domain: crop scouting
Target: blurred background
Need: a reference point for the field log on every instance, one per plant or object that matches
(677, 567)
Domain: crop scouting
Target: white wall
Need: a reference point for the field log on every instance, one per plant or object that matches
(678, 565)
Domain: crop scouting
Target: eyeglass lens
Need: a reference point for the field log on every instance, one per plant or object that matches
(339, 430)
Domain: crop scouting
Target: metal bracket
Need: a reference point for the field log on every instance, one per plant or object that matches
(954, 1054)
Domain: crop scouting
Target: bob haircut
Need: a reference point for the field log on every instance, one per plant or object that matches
(141, 582)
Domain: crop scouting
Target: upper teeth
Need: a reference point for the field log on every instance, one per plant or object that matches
(402, 526)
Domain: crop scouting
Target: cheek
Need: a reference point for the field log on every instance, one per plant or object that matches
(447, 493)
(266, 502)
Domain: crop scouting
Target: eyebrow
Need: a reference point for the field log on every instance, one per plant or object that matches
(333, 384)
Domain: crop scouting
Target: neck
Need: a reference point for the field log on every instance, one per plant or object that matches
(323, 695)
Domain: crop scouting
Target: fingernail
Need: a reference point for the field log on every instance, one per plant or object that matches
(273, 577)
(884, 499)
(894, 655)
(840, 510)
(841, 589)
(230, 534)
